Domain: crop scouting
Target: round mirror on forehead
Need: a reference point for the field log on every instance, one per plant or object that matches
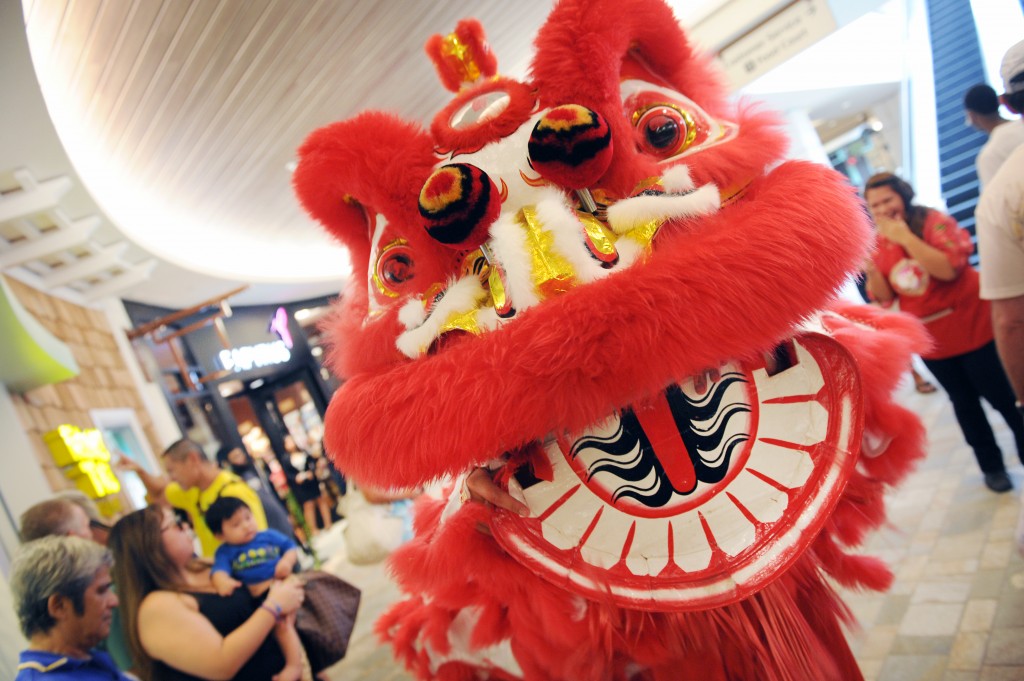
(484, 114)
(480, 109)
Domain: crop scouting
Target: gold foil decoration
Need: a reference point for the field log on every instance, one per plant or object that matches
(459, 56)
(461, 321)
(733, 193)
(499, 296)
(550, 272)
(431, 296)
(599, 237)
(691, 128)
(457, 320)
(645, 233)
(653, 182)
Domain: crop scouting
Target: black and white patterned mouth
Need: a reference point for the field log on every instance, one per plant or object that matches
(631, 466)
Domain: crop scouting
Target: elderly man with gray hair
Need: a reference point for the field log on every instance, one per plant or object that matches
(63, 597)
(59, 516)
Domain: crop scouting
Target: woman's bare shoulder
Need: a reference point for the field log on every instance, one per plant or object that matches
(162, 612)
(162, 601)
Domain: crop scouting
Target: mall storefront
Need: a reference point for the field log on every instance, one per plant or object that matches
(243, 376)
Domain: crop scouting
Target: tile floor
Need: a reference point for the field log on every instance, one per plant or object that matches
(954, 613)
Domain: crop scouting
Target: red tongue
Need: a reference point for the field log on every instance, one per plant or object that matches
(655, 417)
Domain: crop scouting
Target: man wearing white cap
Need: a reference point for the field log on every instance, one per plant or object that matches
(1012, 71)
(1000, 229)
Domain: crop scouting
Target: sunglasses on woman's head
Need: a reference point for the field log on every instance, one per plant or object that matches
(179, 521)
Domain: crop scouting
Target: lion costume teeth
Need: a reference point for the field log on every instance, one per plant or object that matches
(604, 284)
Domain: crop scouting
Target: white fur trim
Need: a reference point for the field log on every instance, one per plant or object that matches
(560, 220)
(509, 248)
(487, 319)
(628, 214)
(412, 313)
(629, 251)
(677, 180)
(465, 294)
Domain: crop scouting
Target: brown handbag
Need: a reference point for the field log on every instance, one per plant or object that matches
(326, 618)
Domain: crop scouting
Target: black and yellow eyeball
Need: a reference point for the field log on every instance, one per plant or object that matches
(571, 146)
(459, 202)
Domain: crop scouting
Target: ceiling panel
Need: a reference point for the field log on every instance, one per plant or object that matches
(198, 106)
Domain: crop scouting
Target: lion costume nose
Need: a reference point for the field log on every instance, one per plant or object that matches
(459, 202)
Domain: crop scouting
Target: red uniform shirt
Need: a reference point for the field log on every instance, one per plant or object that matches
(951, 310)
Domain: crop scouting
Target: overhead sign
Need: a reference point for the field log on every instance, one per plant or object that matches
(84, 457)
(254, 356)
(786, 33)
(279, 325)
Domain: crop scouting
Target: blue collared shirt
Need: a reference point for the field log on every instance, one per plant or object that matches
(37, 665)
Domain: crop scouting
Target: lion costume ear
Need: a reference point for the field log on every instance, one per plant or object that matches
(587, 46)
(352, 171)
(463, 56)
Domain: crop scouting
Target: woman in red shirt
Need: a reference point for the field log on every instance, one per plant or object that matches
(920, 261)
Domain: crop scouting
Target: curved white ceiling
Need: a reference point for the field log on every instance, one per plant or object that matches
(182, 117)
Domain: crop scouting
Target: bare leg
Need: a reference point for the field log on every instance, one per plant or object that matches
(309, 512)
(325, 510)
(291, 646)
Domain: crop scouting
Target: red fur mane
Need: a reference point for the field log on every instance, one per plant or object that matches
(711, 283)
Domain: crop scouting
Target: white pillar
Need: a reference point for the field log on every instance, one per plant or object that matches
(11, 640)
(804, 142)
(1000, 24)
(22, 483)
(921, 149)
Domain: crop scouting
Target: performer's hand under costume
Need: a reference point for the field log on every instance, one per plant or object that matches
(483, 489)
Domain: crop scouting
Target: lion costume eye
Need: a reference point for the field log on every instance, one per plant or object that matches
(665, 130)
(395, 267)
(668, 124)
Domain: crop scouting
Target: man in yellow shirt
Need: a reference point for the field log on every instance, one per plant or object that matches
(194, 483)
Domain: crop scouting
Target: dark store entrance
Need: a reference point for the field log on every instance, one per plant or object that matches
(268, 410)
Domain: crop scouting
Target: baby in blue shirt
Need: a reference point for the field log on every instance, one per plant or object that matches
(255, 558)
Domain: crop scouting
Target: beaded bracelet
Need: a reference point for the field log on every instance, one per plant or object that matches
(275, 611)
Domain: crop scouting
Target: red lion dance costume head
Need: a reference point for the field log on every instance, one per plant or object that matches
(592, 283)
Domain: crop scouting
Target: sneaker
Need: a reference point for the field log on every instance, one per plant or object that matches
(998, 482)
